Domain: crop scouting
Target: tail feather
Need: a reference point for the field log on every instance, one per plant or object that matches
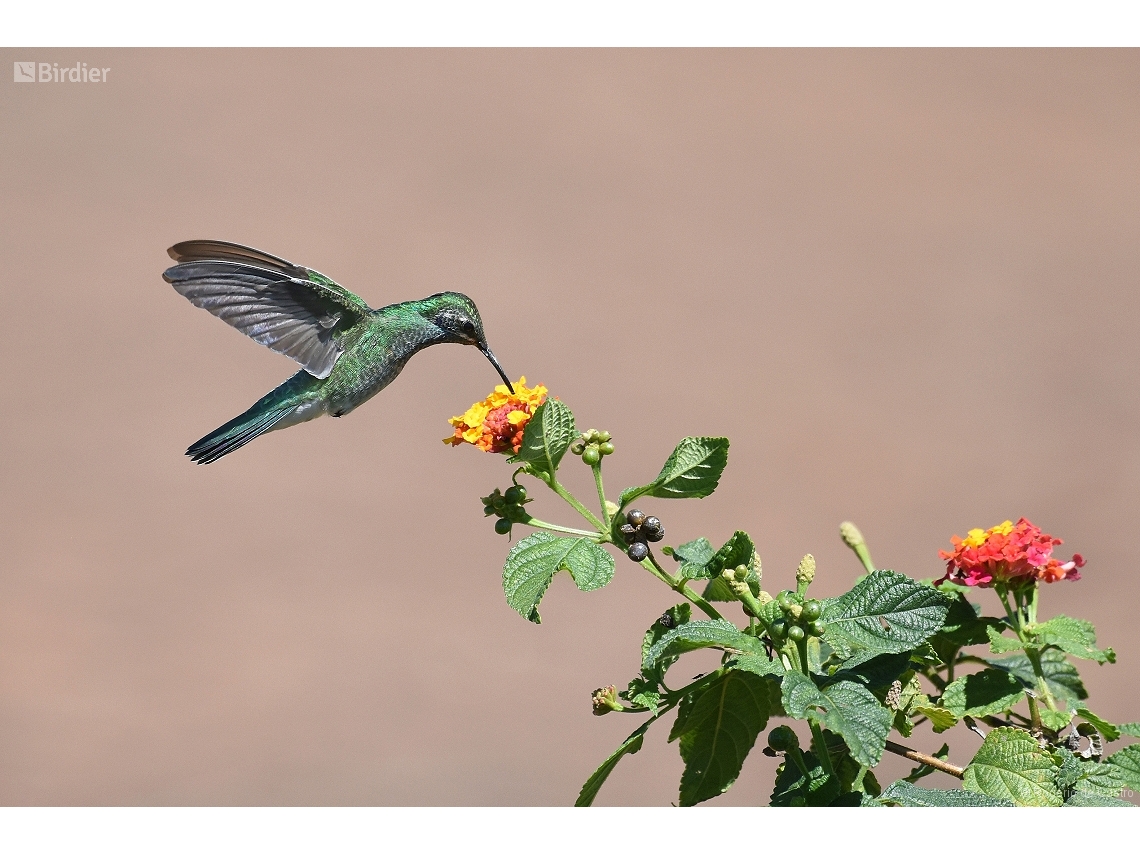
(235, 433)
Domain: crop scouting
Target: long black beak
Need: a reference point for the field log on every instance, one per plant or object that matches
(487, 353)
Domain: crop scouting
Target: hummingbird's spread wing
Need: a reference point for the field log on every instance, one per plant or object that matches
(286, 307)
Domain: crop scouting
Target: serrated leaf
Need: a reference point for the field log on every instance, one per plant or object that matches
(1101, 779)
(906, 794)
(924, 654)
(593, 784)
(738, 550)
(719, 731)
(691, 472)
(1127, 762)
(545, 438)
(1000, 644)
(987, 692)
(1063, 680)
(1106, 729)
(1130, 728)
(1010, 765)
(845, 708)
(696, 635)
(941, 720)
(1075, 637)
(534, 560)
(698, 552)
(886, 611)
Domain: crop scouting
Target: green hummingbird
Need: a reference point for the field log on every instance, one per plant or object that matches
(348, 351)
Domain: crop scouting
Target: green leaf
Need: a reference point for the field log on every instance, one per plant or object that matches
(691, 472)
(698, 634)
(719, 731)
(698, 552)
(673, 618)
(1106, 729)
(987, 692)
(881, 670)
(1010, 765)
(1055, 720)
(963, 626)
(1075, 637)
(594, 783)
(757, 663)
(1063, 680)
(1127, 762)
(1131, 728)
(545, 439)
(906, 794)
(845, 708)
(1101, 779)
(1083, 799)
(941, 720)
(793, 789)
(1000, 644)
(738, 550)
(886, 612)
(534, 560)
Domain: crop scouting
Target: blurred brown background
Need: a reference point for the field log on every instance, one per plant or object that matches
(902, 282)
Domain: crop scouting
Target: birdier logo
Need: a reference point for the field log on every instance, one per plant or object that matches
(52, 72)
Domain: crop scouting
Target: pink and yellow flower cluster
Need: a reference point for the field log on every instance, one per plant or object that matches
(496, 423)
(1011, 554)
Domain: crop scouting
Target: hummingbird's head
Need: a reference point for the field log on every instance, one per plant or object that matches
(459, 323)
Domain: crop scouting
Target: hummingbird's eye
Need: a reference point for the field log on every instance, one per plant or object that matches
(468, 329)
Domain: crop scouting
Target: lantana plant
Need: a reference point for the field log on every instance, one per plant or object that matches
(894, 658)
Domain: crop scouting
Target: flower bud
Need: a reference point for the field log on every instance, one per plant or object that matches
(851, 535)
(605, 700)
(612, 508)
(805, 572)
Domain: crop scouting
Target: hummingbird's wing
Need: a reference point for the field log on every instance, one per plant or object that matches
(286, 307)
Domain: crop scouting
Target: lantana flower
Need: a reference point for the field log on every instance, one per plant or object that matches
(1011, 554)
(496, 423)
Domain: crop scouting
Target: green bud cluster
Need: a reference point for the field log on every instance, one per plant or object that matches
(592, 446)
(605, 700)
(801, 618)
(508, 507)
(637, 530)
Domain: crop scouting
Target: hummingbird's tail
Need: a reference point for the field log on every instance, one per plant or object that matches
(288, 403)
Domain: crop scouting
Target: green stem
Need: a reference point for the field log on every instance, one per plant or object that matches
(680, 586)
(603, 529)
(820, 747)
(531, 521)
(597, 467)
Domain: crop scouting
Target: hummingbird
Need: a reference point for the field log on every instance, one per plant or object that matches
(348, 351)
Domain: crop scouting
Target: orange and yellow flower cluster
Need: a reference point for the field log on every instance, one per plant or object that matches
(496, 423)
(1009, 554)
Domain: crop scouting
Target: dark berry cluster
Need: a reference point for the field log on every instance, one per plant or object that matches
(637, 530)
(508, 507)
(800, 619)
(592, 446)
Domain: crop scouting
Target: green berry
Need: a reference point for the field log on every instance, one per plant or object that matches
(591, 456)
(795, 633)
(815, 628)
(502, 526)
(785, 601)
(498, 502)
(637, 551)
(577, 446)
(606, 448)
(604, 436)
(779, 630)
(740, 573)
(812, 610)
(783, 738)
(635, 517)
(515, 495)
